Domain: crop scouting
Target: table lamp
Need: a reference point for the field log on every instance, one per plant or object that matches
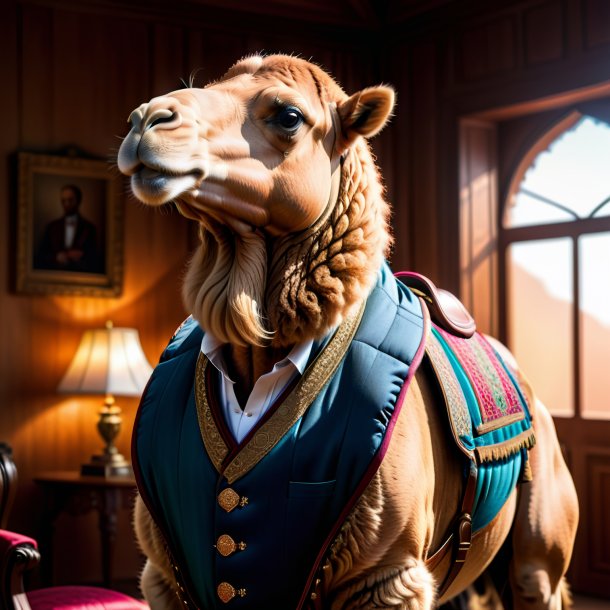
(108, 361)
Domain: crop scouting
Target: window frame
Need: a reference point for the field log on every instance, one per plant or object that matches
(573, 229)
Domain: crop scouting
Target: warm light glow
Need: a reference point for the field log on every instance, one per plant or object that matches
(108, 361)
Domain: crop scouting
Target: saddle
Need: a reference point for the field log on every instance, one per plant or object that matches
(446, 310)
(487, 413)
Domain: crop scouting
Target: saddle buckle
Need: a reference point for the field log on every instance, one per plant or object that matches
(464, 535)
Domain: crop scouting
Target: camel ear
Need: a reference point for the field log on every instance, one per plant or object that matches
(364, 114)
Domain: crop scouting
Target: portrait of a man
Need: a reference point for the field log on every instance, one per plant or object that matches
(69, 227)
(70, 242)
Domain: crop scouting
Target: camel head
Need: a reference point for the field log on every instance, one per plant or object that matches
(271, 161)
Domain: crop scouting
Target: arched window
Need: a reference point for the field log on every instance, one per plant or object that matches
(555, 237)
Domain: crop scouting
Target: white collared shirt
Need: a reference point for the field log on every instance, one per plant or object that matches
(70, 230)
(265, 391)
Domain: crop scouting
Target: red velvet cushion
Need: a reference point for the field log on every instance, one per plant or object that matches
(82, 598)
(10, 539)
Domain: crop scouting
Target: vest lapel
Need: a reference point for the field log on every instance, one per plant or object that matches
(283, 415)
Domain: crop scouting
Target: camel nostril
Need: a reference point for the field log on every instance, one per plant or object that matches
(159, 117)
(135, 118)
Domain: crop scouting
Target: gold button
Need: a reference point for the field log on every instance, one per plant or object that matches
(226, 592)
(227, 546)
(229, 499)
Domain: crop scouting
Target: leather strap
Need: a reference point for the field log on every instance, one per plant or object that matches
(446, 310)
(460, 537)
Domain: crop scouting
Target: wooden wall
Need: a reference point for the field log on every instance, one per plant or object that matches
(71, 73)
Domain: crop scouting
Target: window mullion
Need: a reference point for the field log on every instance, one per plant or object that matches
(576, 326)
(561, 229)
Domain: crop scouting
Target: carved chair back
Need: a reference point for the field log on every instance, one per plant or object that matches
(8, 483)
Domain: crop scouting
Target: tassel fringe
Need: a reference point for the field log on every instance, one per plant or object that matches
(500, 451)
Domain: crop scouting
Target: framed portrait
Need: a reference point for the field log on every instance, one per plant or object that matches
(69, 227)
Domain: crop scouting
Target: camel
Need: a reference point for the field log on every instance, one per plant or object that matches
(272, 162)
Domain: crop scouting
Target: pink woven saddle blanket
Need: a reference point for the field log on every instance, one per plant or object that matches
(488, 411)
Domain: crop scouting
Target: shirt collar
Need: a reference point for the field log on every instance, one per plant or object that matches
(298, 356)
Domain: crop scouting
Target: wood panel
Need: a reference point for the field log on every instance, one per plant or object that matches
(167, 59)
(596, 23)
(586, 442)
(598, 465)
(478, 223)
(37, 89)
(543, 33)
(340, 12)
(521, 51)
(9, 107)
(396, 157)
(422, 149)
(498, 38)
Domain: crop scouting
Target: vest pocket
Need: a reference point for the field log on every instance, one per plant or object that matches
(306, 526)
(300, 489)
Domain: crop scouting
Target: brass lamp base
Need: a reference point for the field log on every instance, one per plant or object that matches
(110, 463)
(114, 465)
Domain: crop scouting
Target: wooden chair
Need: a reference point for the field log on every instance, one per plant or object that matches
(19, 553)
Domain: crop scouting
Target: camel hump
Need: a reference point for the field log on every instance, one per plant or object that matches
(446, 310)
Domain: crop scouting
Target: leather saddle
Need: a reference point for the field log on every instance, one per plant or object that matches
(446, 310)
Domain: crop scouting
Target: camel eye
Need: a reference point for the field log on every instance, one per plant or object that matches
(289, 119)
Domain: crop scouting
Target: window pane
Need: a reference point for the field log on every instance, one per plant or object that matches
(531, 211)
(540, 306)
(572, 173)
(603, 209)
(595, 325)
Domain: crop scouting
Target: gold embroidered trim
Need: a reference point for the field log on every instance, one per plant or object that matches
(287, 414)
(297, 402)
(215, 446)
(455, 402)
(496, 424)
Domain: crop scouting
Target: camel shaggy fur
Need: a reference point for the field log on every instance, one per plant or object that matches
(273, 164)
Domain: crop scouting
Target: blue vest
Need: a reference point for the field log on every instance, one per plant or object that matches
(248, 525)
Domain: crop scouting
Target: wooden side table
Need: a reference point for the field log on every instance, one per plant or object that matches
(76, 494)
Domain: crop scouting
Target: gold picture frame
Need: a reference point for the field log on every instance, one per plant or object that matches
(69, 227)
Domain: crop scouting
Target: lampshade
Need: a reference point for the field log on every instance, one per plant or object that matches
(108, 361)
